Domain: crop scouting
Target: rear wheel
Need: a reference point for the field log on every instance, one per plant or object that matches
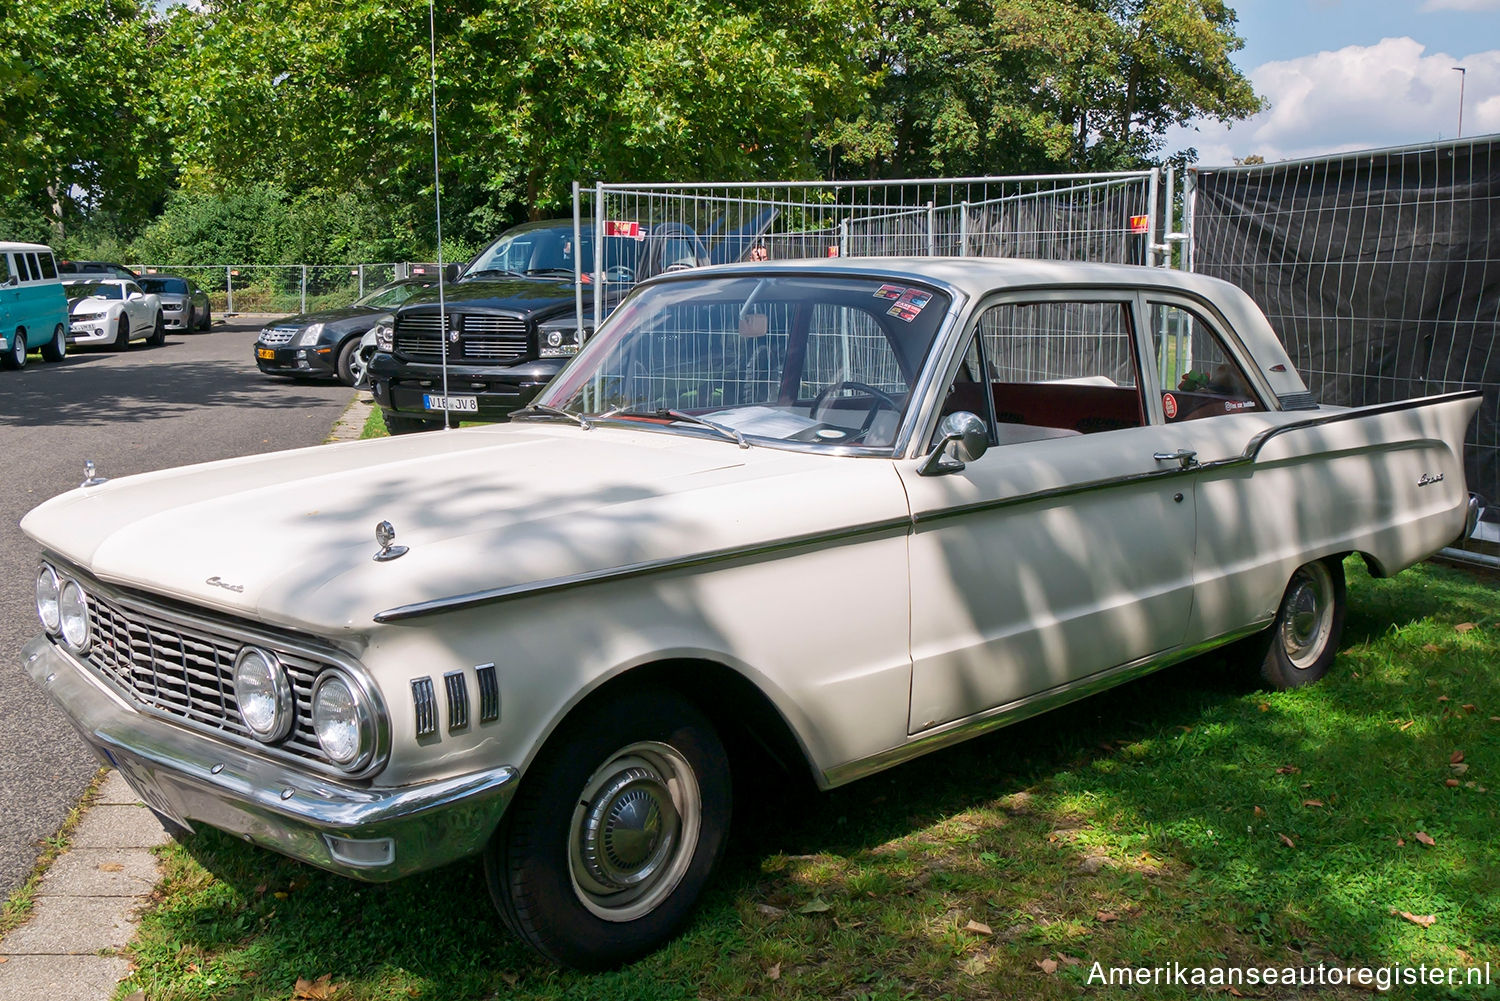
(208, 319)
(15, 355)
(57, 348)
(614, 832)
(1301, 645)
(158, 332)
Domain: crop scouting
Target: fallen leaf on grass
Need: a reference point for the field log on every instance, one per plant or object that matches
(1070, 960)
(1264, 707)
(1048, 966)
(1459, 768)
(1468, 707)
(816, 905)
(1431, 648)
(1407, 725)
(510, 979)
(1105, 917)
(1259, 812)
(1425, 838)
(136, 996)
(1312, 802)
(979, 928)
(1455, 757)
(111, 867)
(1451, 783)
(1463, 627)
(1184, 729)
(774, 973)
(1288, 770)
(1425, 920)
(315, 990)
(1442, 698)
(769, 910)
(1286, 840)
(1400, 842)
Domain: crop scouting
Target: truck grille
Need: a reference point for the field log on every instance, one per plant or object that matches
(188, 674)
(494, 338)
(421, 336)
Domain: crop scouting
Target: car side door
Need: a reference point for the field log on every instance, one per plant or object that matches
(1066, 549)
(137, 308)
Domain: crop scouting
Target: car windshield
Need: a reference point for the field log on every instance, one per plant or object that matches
(392, 295)
(170, 286)
(98, 290)
(547, 251)
(814, 360)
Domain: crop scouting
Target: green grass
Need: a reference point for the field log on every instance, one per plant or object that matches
(374, 425)
(1138, 828)
(17, 907)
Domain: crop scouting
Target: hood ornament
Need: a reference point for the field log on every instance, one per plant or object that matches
(89, 479)
(385, 535)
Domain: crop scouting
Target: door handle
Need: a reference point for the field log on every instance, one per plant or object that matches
(1185, 458)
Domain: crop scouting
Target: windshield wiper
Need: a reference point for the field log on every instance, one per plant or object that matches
(536, 410)
(491, 271)
(550, 271)
(723, 430)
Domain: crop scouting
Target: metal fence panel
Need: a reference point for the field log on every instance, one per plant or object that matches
(1379, 269)
(279, 288)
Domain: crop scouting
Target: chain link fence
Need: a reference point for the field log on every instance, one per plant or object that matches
(1380, 270)
(280, 288)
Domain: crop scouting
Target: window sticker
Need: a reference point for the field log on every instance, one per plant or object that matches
(1169, 405)
(910, 305)
(891, 292)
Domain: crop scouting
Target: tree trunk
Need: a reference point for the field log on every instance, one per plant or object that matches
(55, 192)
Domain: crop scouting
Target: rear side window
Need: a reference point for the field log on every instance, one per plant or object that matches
(35, 266)
(5, 271)
(49, 269)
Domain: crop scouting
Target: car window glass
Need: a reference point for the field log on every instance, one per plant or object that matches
(34, 266)
(1199, 376)
(1068, 366)
(23, 273)
(131, 288)
(49, 269)
(5, 271)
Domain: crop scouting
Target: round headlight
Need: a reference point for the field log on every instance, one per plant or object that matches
(342, 720)
(73, 616)
(48, 588)
(554, 339)
(263, 694)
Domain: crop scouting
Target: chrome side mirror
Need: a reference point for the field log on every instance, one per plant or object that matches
(962, 438)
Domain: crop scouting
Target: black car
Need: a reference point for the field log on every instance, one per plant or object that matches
(512, 317)
(96, 268)
(323, 344)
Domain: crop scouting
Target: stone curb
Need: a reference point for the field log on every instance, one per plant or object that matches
(87, 904)
(351, 423)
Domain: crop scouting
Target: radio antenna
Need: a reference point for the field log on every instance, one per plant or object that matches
(437, 199)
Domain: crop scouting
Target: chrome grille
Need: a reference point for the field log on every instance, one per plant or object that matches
(189, 674)
(494, 338)
(277, 335)
(421, 336)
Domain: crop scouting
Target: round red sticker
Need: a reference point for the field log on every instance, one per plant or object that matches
(1169, 405)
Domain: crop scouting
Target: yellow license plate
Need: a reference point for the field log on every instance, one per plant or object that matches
(265, 353)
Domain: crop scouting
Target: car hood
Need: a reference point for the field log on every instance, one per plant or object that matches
(519, 295)
(91, 302)
(289, 538)
(342, 317)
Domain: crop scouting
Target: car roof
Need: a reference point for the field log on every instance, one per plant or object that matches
(13, 247)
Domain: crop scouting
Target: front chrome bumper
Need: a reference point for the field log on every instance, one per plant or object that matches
(362, 831)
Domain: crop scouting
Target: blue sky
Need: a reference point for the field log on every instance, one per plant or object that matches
(1353, 74)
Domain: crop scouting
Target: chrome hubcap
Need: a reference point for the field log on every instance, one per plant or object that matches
(634, 830)
(1307, 615)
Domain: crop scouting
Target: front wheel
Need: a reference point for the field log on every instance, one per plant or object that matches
(158, 332)
(208, 319)
(15, 355)
(1303, 641)
(57, 348)
(122, 335)
(614, 832)
(348, 368)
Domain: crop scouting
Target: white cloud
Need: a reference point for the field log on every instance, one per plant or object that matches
(1389, 94)
(1432, 5)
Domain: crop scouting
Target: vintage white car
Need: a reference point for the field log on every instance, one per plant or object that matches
(113, 312)
(828, 515)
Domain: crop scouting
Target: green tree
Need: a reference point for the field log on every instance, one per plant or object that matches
(80, 132)
(1002, 86)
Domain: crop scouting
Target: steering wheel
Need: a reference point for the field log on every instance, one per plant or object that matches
(619, 273)
(878, 399)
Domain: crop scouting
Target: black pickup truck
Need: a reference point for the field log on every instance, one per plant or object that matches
(509, 318)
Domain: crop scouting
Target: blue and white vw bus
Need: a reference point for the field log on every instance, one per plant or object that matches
(33, 307)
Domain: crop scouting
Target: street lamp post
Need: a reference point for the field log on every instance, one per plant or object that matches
(1463, 75)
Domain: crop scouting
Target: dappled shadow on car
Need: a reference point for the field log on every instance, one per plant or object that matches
(77, 391)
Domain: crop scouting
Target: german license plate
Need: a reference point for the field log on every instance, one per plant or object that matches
(265, 353)
(458, 404)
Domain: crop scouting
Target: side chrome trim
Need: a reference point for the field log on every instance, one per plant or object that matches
(757, 551)
(1025, 708)
(1249, 455)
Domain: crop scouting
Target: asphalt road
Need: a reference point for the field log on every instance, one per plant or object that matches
(196, 398)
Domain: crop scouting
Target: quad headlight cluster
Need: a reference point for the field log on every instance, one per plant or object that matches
(344, 709)
(63, 608)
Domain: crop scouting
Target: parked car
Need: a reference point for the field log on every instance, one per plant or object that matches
(323, 344)
(512, 318)
(830, 514)
(33, 309)
(184, 305)
(114, 312)
(106, 268)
